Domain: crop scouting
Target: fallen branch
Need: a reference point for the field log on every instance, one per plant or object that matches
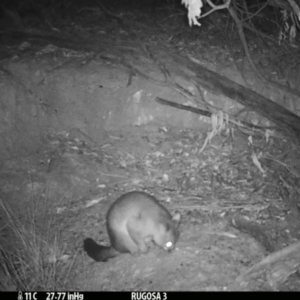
(278, 267)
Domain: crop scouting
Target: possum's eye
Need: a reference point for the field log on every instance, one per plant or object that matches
(169, 244)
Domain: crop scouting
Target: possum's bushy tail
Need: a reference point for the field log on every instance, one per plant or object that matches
(98, 252)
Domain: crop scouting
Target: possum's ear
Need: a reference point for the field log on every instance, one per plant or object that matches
(176, 218)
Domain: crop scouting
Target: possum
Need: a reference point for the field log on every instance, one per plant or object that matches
(133, 221)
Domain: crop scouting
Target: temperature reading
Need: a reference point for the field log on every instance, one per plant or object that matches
(29, 296)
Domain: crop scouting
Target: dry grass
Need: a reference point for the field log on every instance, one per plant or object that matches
(31, 254)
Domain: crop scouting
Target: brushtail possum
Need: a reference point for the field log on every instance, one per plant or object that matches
(133, 221)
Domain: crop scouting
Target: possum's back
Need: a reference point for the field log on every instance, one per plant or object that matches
(135, 205)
